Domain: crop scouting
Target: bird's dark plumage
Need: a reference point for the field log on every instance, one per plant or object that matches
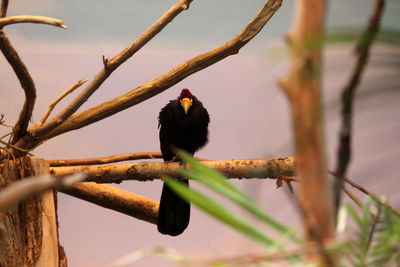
(183, 124)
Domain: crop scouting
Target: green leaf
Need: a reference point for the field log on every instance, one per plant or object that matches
(220, 184)
(219, 212)
(354, 214)
(209, 172)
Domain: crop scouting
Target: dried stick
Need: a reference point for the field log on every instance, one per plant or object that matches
(161, 83)
(372, 195)
(110, 66)
(116, 199)
(3, 9)
(32, 19)
(302, 86)
(359, 203)
(348, 93)
(60, 97)
(282, 168)
(105, 160)
(29, 187)
(26, 82)
(108, 159)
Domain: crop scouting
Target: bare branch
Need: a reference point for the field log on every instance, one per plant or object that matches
(282, 168)
(32, 19)
(116, 199)
(365, 191)
(303, 88)
(26, 82)
(161, 83)
(110, 66)
(108, 159)
(105, 160)
(3, 9)
(60, 97)
(33, 186)
(359, 203)
(348, 94)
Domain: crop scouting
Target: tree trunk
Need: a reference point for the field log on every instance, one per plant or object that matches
(28, 230)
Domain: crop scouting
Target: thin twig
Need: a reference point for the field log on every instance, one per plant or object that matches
(251, 259)
(367, 192)
(26, 82)
(60, 97)
(159, 84)
(14, 147)
(108, 159)
(358, 202)
(29, 187)
(348, 94)
(32, 19)
(111, 65)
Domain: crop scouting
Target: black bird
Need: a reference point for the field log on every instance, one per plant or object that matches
(183, 124)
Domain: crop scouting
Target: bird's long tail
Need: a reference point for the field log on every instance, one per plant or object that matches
(174, 212)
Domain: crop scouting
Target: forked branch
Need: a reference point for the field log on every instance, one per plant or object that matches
(154, 87)
(109, 66)
(60, 97)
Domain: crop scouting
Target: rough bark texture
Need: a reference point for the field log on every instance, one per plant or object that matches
(28, 233)
(276, 168)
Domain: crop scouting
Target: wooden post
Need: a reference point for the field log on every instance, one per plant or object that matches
(28, 230)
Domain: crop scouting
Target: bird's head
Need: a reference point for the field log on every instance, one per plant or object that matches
(186, 99)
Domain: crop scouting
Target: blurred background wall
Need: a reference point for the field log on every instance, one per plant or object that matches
(249, 113)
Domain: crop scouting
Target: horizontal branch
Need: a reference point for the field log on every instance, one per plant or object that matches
(33, 186)
(117, 199)
(32, 19)
(105, 160)
(167, 80)
(108, 159)
(278, 168)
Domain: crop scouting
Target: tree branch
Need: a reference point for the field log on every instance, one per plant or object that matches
(105, 160)
(161, 83)
(108, 159)
(3, 9)
(32, 19)
(30, 187)
(303, 88)
(110, 66)
(60, 97)
(26, 82)
(116, 199)
(348, 94)
(282, 168)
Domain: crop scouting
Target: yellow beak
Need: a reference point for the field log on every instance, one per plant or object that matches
(186, 103)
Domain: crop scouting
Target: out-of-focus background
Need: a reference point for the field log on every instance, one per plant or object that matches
(249, 113)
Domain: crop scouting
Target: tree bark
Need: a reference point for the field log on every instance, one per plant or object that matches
(303, 88)
(28, 230)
